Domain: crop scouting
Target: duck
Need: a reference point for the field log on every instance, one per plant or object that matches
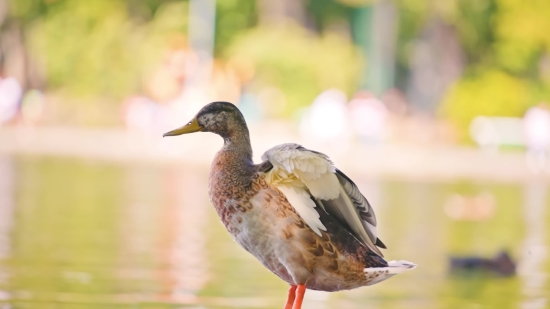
(501, 264)
(300, 216)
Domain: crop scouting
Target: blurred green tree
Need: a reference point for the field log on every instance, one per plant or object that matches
(488, 93)
(298, 62)
(522, 34)
(103, 48)
(96, 48)
(506, 44)
(232, 18)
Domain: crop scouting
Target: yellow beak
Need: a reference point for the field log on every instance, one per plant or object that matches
(192, 126)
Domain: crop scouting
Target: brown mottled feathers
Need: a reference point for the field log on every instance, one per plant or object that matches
(322, 253)
(261, 219)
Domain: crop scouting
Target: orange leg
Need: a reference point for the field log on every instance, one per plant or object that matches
(291, 296)
(300, 292)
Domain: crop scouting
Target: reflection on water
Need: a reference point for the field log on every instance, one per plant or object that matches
(7, 205)
(186, 222)
(88, 235)
(534, 277)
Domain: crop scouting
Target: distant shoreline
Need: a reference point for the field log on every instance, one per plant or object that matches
(416, 162)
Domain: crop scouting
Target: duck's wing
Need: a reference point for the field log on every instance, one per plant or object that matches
(306, 176)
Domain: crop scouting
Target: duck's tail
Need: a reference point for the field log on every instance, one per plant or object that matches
(397, 267)
(378, 274)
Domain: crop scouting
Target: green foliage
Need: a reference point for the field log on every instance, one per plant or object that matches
(522, 31)
(513, 32)
(474, 24)
(299, 63)
(232, 18)
(327, 12)
(490, 93)
(506, 38)
(26, 10)
(103, 48)
(472, 19)
(93, 47)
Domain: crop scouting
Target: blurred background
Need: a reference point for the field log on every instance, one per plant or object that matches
(437, 109)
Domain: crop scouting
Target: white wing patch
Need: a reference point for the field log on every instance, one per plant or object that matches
(314, 170)
(296, 170)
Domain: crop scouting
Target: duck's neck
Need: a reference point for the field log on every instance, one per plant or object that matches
(232, 168)
(235, 157)
(239, 144)
(231, 175)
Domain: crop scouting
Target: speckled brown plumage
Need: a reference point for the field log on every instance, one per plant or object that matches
(261, 219)
(332, 262)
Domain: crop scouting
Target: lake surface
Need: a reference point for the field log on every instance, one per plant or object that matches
(80, 234)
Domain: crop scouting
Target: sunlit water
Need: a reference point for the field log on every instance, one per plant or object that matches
(77, 234)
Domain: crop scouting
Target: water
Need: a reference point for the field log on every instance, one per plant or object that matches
(77, 234)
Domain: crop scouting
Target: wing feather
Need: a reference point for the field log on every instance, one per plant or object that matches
(353, 211)
(304, 176)
(304, 206)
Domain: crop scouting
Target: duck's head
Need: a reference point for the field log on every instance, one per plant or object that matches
(222, 118)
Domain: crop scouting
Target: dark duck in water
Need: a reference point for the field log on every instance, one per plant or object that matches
(300, 216)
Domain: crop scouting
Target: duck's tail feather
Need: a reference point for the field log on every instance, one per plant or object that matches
(397, 267)
(378, 274)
